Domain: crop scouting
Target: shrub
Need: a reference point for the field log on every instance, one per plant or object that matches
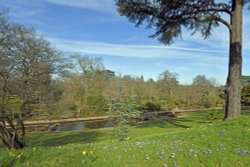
(125, 108)
(167, 102)
(150, 106)
(208, 99)
(245, 96)
(10, 158)
(213, 115)
(98, 103)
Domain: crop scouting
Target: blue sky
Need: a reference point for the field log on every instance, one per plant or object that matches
(94, 28)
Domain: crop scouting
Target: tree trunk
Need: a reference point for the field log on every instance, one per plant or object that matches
(10, 138)
(233, 89)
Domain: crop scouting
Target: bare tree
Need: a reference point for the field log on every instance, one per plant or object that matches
(26, 64)
(88, 69)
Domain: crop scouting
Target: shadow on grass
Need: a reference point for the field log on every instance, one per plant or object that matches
(189, 120)
(178, 124)
(162, 123)
(49, 139)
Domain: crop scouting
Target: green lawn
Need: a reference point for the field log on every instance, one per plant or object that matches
(195, 140)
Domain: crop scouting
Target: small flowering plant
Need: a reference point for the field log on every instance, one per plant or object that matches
(88, 156)
(84, 152)
(127, 138)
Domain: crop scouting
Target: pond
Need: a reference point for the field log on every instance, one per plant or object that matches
(84, 125)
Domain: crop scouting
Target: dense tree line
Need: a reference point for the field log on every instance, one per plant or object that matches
(89, 88)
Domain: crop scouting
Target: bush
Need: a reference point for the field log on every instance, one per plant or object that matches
(71, 106)
(213, 115)
(208, 99)
(150, 106)
(10, 158)
(98, 103)
(167, 102)
(125, 108)
(245, 96)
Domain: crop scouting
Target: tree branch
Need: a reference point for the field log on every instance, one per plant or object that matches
(224, 22)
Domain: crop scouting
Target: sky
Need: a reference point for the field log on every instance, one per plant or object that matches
(95, 28)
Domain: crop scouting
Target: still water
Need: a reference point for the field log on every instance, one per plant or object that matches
(100, 123)
(84, 125)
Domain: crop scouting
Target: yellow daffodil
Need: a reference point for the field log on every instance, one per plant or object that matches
(127, 138)
(84, 152)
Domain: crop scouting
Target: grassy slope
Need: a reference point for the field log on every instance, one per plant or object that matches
(189, 141)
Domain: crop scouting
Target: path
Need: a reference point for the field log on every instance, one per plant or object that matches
(68, 120)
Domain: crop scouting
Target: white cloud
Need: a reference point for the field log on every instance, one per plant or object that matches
(140, 51)
(190, 60)
(19, 9)
(98, 5)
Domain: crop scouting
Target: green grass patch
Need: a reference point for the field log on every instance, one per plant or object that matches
(190, 141)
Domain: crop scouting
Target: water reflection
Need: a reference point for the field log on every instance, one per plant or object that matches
(85, 125)
(103, 123)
